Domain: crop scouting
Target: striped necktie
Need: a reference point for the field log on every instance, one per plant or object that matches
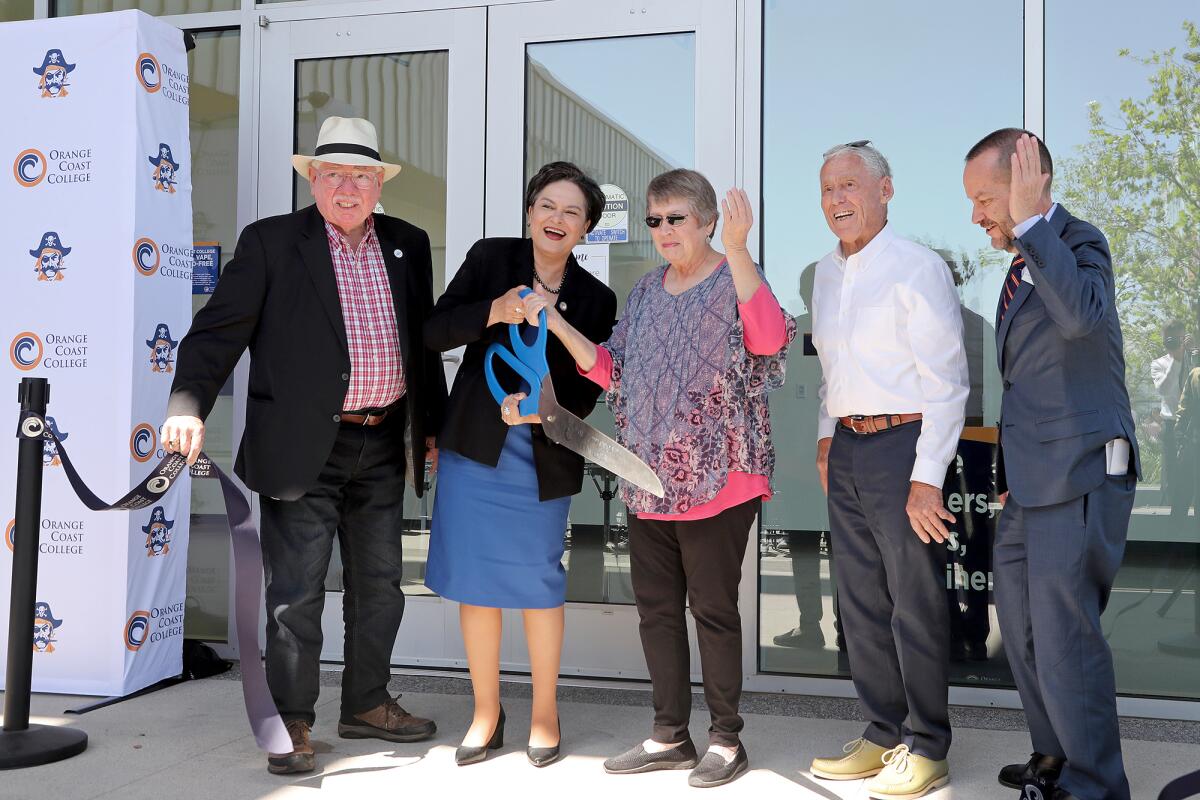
(1011, 284)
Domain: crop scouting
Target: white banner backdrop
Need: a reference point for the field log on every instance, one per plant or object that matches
(96, 236)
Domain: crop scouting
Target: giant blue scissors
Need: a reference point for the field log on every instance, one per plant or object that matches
(528, 361)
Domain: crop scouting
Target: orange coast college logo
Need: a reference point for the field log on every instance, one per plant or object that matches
(143, 443)
(162, 347)
(149, 74)
(146, 257)
(49, 257)
(10, 532)
(50, 457)
(53, 74)
(26, 350)
(158, 533)
(44, 628)
(29, 168)
(137, 629)
(165, 169)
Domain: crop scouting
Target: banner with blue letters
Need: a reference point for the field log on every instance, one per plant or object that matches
(97, 248)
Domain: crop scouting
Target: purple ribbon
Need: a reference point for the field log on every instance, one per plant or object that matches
(269, 731)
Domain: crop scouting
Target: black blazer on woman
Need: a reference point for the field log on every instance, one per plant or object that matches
(473, 427)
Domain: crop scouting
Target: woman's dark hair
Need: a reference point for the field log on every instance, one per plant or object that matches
(557, 171)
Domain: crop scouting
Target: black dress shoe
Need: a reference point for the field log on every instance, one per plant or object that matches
(545, 756)
(473, 755)
(638, 759)
(1015, 776)
(802, 636)
(714, 770)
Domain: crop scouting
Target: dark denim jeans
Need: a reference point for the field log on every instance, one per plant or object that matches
(358, 496)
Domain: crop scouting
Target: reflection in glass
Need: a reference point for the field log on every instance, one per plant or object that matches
(1122, 130)
(883, 95)
(213, 121)
(589, 102)
(157, 8)
(405, 96)
(13, 10)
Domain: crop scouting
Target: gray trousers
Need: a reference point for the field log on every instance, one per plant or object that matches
(892, 592)
(1054, 569)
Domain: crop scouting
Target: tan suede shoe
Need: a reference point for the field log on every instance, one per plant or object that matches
(301, 759)
(907, 775)
(862, 760)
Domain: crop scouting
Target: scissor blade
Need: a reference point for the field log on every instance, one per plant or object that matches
(573, 433)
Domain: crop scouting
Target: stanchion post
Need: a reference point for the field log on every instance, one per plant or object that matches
(22, 744)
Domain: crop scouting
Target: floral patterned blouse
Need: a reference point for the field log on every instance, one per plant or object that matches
(686, 394)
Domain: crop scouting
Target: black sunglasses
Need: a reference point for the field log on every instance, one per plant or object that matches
(855, 143)
(674, 220)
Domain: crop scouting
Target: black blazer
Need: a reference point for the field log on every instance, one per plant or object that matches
(473, 427)
(278, 296)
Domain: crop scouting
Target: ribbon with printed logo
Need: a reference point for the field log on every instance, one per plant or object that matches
(269, 731)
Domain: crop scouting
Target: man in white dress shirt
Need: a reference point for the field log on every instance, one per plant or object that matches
(889, 334)
(1169, 372)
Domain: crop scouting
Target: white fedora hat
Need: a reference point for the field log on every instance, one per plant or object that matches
(351, 141)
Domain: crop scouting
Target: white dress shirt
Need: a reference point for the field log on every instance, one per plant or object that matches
(1168, 377)
(888, 329)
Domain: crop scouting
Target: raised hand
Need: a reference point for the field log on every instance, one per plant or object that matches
(739, 218)
(1028, 187)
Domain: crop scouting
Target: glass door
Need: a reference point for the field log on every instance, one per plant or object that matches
(625, 93)
(419, 77)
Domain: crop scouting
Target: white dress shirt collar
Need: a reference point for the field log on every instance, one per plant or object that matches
(863, 258)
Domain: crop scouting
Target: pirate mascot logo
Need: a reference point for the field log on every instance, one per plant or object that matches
(162, 346)
(44, 626)
(158, 533)
(50, 447)
(48, 257)
(53, 74)
(165, 169)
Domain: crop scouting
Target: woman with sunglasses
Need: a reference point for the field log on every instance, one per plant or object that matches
(504, 489)
(686, 372)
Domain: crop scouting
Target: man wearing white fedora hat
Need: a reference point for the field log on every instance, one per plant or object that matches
(330, 301)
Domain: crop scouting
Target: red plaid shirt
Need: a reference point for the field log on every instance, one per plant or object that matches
(376, 366)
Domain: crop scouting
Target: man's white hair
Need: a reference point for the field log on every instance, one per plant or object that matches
(874, 160)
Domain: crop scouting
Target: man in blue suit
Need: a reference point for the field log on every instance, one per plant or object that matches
(1068, 470)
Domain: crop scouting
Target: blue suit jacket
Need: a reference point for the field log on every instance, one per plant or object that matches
(1063, 365)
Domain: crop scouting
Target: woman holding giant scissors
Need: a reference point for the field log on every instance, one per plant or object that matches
(687, 369)
(503, 488)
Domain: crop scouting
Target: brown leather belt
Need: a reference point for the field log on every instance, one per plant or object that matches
(368, 417)
(877, 423)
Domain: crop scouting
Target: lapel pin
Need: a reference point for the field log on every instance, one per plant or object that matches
(562, 306)
(398, 253)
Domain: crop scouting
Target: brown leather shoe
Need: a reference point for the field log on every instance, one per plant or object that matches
(301, 759)
(387, 721)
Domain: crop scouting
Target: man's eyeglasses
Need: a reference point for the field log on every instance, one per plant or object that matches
(361, 180)
(855, 143)
(674, 220)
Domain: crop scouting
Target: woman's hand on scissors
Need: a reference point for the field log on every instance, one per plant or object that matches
(508, 308)
(510, 413)
(536, 303)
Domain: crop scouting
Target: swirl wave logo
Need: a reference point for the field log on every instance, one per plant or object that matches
(10, 532)
(142, 443)
(30, 167)
(149, 74)
(146, 257)
(137, 629)
(26, 351)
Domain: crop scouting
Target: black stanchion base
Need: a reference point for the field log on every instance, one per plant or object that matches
(40, 744)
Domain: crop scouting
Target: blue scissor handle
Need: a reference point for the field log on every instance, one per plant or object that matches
(528, 361)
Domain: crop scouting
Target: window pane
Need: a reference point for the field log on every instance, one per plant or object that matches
(66, 8)
(1123, 135)
(12, 10)
(623, 134)
(213, 116)
(835, 74)
(405, 96)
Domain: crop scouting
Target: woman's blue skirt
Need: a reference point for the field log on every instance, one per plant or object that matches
(493, 543)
